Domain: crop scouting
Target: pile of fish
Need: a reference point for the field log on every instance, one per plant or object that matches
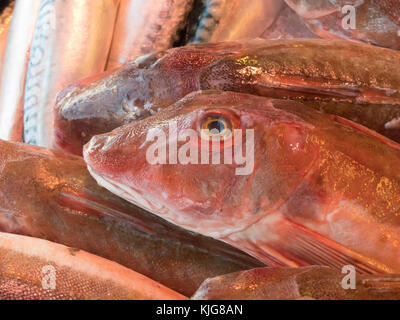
(299, 98)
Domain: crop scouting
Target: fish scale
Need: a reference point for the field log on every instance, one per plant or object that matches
(35, 269)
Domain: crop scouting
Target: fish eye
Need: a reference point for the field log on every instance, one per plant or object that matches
(216, 126)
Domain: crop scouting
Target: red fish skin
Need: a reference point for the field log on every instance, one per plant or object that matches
(50, 195)
(307, 283)
(311, 190)
(327, 75)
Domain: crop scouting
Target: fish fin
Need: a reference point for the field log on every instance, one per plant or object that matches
(314, 248)
(369, 132)
(263, 252)
(286, 243)
(272, 257)
(92, 205)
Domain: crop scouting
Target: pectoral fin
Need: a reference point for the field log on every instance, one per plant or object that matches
(285, 243)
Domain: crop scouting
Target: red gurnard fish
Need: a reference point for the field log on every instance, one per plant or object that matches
(306, 283)
(35, 269)
(51, 195)
(323, 190)
(355, 81)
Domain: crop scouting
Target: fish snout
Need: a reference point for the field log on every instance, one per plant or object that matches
(97, 144)
(63, 94)
(92, 152)
(103, 151)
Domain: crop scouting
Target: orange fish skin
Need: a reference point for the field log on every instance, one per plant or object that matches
(323, 190)
(306, 283)
(51, 195)
(35, 269)
(328, 75)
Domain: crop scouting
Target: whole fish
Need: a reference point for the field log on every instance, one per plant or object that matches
(144, 27)
(13, 73)
(371, 21)
(35, 269)
(51, 195)
(306, 283)
(311, 188)
(226, 20)
(355, 81)
(71, 40)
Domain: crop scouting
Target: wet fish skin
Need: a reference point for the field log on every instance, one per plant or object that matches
(51, 195)
(71, 41)
(312, 198)
(377, 21)
(227, 20)
(306, 283)
(27, 264)
(13, 73)
(351, 80)
(143, 27)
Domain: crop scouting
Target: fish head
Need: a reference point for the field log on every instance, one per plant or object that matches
(160, 163)
(138, 89)
(102, 102)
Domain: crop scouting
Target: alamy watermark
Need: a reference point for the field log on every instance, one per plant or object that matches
(349, 20)
(209, 146)
(349, 281)
(49, 277)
